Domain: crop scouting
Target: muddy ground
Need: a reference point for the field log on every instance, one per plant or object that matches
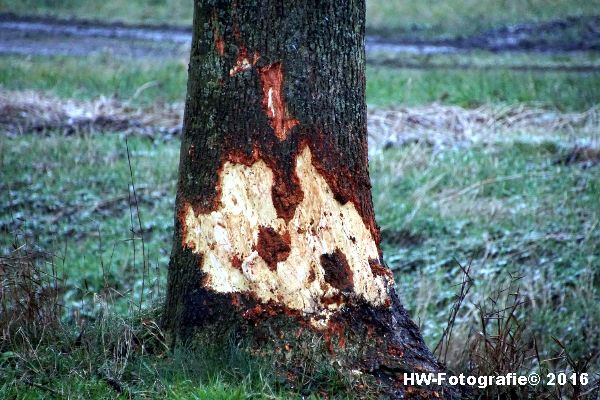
(51, 36)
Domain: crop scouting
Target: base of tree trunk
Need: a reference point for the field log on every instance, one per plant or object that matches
(370, 348)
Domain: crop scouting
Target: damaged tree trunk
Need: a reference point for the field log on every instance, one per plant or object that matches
(274, 228)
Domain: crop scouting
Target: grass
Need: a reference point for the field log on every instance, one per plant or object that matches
(85, 216)
(471, 88)
(508, 207)
(424, 18)
(522, 212)
(464, 17)
(178, 12)
(123, 358)
(70, 77)
(103, 75)
(490, 60)
(503, 208)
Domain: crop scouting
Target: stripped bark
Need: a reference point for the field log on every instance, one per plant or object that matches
(274, 225)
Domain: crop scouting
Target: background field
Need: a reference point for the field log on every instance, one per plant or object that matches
(423, 18)
(492, 169)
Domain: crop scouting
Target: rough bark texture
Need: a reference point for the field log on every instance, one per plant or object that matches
(275, 120)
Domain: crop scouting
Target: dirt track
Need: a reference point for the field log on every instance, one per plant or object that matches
(50, 36)
(47, 36)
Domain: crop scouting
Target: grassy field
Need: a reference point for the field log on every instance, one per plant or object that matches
(425, 17)
(464, 17)
(505, 209)
(522, 213)
(520, 210)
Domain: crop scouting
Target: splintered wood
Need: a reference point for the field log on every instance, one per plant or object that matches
(315, 263)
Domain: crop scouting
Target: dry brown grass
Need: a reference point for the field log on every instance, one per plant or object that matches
(36, 327)
(488, 334)
(436, 124)
(441, 125)
(31, 111)
(29, 294)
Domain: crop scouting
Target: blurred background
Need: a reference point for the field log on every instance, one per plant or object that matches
(484, 134)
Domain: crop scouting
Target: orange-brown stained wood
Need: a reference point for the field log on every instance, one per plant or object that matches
(236, 262)
(272, 246)
(219, 42)
(272, 84)
(337, 271)
(379, 270)
(243, 62)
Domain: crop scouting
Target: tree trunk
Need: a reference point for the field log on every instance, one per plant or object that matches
(274, 230)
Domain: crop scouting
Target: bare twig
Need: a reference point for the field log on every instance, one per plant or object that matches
(139, 220)
(465, 286)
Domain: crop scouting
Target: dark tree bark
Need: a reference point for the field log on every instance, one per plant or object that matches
(274, 230)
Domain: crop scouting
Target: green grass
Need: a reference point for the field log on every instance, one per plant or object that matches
(207, 368)
(84, 215)
(469, 88)
(102, 75)
(465, 17)
(425, 17)
(491, 60)
(71, 77)
(177, 12)
(505, 208)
